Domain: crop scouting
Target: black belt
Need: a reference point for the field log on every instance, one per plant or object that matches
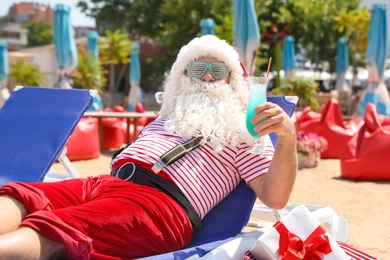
(133, 173)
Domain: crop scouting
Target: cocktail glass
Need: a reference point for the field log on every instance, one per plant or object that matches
(257, 96)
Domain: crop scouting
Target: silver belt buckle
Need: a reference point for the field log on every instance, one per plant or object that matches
(157, 167)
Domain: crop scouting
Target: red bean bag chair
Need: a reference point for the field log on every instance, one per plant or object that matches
(305, 115)
(366, 155)
(84, 143)
(112, 130)
(331, 126)
(139, 108)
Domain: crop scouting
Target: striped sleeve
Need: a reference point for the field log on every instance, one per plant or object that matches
(251, 166)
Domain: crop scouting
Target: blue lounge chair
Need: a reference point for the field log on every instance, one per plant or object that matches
(231, 215)
(35, 126)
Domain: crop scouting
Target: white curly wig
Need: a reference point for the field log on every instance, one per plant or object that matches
(215, 109)
(207, 45)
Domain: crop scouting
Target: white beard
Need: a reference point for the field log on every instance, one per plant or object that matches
(210, 109)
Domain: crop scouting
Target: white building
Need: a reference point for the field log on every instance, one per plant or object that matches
(14, 35)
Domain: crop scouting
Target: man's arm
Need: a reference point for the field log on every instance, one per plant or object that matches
(274, 188)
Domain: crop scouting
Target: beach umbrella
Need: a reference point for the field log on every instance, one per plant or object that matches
(93, 49)
(376, 91)
(3, 60)
(135, 93)
(64, 42)
(342, 64)
(288, 61)
(92, 44)
(207, 26)
(246, 33)
(4, 93)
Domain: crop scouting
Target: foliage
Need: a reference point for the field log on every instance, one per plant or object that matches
(181, 19)
(5, 19)
(39, 33)
(172, 23)
(354, 25)
(26, 74)
(90, 72)
(304, 88)
(310, 143)
(115, 48)
(311, 24)
(136, 17)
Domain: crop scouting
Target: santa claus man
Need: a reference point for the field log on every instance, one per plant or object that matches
(162, 185)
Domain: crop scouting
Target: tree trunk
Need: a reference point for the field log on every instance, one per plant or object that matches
(111, 85)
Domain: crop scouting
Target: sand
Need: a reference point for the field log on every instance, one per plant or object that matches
(364, 205)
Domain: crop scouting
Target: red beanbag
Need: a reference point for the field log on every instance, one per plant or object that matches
(139, 108)
(332, 127)
(84, 143)
(305, 115)
(366, 155)
(112, 132)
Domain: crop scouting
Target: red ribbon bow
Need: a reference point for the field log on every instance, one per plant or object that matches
(291, 247)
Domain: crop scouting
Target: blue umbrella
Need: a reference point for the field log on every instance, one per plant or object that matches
(3, 61)
(207, 26)
(342, 64)
(342, 59)
(376, 91)
(4, 93)
(135, 93)
(93, 49)
(65, 46)
(288, 61)
(92, 44)
(246, 33)
(377, 39)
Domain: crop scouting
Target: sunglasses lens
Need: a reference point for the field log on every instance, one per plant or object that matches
(219, 70)
(196, 69)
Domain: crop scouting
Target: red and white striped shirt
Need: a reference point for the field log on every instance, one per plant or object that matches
(204, 176)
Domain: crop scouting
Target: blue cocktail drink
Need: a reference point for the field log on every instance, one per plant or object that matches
(257, 96)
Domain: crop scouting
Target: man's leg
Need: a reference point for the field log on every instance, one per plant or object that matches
(12, 212)
(26, 243)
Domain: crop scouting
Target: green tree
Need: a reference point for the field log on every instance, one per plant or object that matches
(311, 23)
(174, 22)
(39, 33)
(171, 23)
(354, 25)
(181, 23)
(26, 74)
(114, 49)
(90, 73)
(136, 17)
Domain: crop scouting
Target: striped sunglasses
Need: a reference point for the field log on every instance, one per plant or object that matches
(197, 69)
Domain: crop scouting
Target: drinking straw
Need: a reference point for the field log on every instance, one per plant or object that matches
(268, 69)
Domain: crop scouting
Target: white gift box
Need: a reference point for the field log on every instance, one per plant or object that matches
(298, 235)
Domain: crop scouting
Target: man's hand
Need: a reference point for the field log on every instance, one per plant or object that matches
(275, 120)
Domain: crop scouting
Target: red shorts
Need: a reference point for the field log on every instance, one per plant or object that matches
(103, 217)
